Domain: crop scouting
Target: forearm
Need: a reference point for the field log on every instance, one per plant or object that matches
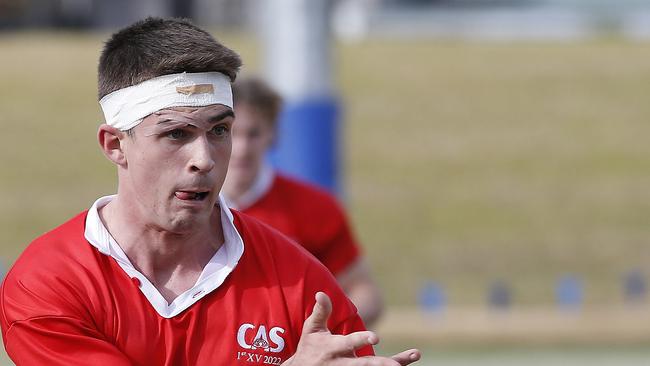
(361, 289)
(368, 301)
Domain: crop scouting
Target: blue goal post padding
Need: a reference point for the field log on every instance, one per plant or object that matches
(307, 145)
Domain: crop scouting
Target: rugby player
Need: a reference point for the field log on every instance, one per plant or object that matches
(309, 215)
(163, 272)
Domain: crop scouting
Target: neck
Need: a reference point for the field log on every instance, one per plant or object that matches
(235, 190)
(171, 261)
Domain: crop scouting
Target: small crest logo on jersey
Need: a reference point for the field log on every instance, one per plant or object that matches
(250, 336)
(260, 343)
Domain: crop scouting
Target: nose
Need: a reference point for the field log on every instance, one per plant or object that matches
(201, 156)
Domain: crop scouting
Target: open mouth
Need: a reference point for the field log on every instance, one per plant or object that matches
(191, 196)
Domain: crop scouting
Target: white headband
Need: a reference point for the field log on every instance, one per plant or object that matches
(125, 108)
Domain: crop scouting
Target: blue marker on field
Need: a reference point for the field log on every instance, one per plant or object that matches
(499, 295)
(635, 287)
(569, 292)
(432, 297)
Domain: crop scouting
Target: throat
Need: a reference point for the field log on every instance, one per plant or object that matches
(173, 285)
(173, 270)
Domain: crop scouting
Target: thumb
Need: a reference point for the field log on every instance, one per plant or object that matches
(317, 321)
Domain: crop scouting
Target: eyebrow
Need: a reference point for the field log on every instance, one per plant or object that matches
(222, 115)
(213, 119)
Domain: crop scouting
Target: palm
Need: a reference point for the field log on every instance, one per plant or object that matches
(318, 346)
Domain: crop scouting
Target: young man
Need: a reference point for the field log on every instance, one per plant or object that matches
(303, 212)
(163, 273)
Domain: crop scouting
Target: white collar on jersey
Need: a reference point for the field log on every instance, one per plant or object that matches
(215, 272)
(260, 187)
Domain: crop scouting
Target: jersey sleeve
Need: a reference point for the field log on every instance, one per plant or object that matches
(350, 325)
(57, 341)
(338, 248)
(45, 319)
(299, 276)
(344, 318)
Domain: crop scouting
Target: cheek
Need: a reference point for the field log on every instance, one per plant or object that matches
(241, 147)
(260, 144)
(153, 168)
(267, 139)
(221, 151)
(237, 145)
(227, 150)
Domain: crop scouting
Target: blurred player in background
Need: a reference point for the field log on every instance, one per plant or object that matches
(163, 272)
(303, 212)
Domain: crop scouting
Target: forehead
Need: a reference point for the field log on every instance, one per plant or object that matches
(248, 115)
(210, 111)
(208, 114)
(203, 118)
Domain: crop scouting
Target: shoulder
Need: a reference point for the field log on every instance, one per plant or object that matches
(285, 183)
(260, 237)
(279, 262)
(306, 194)
(64, 244)
(277, 253)
(49, 275)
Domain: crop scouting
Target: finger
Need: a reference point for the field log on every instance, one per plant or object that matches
(356, 340)
(373, 361)
(317, 321)
(407, 357)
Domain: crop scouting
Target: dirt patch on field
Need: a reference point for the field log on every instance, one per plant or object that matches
(534, 326)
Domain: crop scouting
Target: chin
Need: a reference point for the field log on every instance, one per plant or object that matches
(183, 223)
(242, 171)
(247, 178)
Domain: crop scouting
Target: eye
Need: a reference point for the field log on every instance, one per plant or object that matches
(220, 130)
(176, 134)
(254, 133)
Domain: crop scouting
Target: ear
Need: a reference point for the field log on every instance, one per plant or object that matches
(110, 141)
(273, 139)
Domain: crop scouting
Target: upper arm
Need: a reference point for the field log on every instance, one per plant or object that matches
(46, 319)
(58, 340)
(344, 318)
(360, 287)
(336, 246)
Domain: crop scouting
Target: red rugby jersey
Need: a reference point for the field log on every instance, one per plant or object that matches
(66, 303)
(310, 216)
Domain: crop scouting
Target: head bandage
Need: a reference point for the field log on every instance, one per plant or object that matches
(169, 120)
(125, 108)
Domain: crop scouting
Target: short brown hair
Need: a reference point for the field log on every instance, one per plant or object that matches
(255, 92)
(155, 47)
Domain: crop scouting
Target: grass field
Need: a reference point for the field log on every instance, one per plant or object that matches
(464, 162)
(468, 162)
(537, 357)
(630, 356)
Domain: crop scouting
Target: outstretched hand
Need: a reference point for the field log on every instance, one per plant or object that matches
(318, 346)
